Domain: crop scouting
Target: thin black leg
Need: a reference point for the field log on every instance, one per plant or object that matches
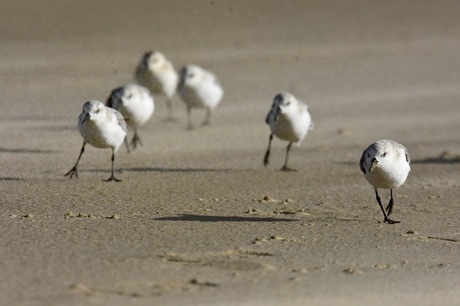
(135, 140)
(383, 211)
(267, 154)
(74, 170)
(112, 177)
(285, 166)
(127, 144)
(389, 208)
(169, 107)
(206, 120)
(189, 117)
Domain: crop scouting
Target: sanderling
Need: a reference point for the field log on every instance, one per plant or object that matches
(101, 127)
(157, 73)
(199, 88)
(136, 104)
(385, 164)
(290, 120)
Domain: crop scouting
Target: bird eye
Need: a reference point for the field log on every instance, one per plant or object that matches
(130, 96)
(96, 111)
(384, 154)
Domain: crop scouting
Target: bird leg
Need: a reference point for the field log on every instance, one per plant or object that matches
(189, 117)
(74, 170)
(267, 154)
(112, 177)
(135, 140)
(383, 211)
(170, 109)
(285, 167)
(127, 144)
(208, 116)
(389, 208)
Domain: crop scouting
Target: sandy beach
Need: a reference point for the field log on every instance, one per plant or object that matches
(197, 219)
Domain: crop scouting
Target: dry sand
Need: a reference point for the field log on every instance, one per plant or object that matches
(197, 220)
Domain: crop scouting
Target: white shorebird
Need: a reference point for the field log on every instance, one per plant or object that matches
(136, 104)
(157, 73)
(101, 127)
(289, 119)
(199, 88)
(385, 164)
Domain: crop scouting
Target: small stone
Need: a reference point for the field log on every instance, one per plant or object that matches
(352, 271)
(253, 211)
(267, 199)
(80, 287)
(70, 215)
(288, 200)
(411, 232)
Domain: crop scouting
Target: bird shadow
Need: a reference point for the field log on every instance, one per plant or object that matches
(11, 179)
(445, 157)
(158, 169)
(183, 170)
(207, 218)
(26, 151)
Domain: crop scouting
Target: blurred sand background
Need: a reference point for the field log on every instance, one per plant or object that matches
(197, 219)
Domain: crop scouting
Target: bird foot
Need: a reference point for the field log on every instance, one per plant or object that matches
(136, 140)
(205, 123)
(112, 179)
(390, 221)
(72, 172)
(170, 119)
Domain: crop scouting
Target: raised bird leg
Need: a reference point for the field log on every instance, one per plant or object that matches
(74, 170)
(267, 154)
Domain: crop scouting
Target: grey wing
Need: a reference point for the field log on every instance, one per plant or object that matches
(115, 99)
(407, 156)
(273, 113)
(405, 150)
(121, 121)
(361, 162)
(307, 109)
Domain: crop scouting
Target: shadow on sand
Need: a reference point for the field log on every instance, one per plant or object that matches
(26, 151)
(204, 218)
(163, 169)
(446, 157)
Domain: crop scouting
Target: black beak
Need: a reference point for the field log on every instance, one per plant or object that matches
(374, 163)
(87, 116)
